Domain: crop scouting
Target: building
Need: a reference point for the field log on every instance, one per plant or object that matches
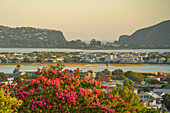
(165, 89)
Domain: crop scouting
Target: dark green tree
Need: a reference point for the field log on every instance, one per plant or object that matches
(166, 101)
(118, 72)
(3, 77)
(134, 76)
(146, 89)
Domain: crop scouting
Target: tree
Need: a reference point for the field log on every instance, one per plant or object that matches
(130, 97)
(166, 100)
(3, 77)
(17, 69)
(106, 72)
(99, 43)
(4, 60)
(164, 85)
(90, 71)
(39, 59)
(134, 76)
(27, 60)
(18, 66)
(15, 60)
(93, 42)
(118, 72)
(102, 59)
(146, 89)
(128, 83)
(153, 81)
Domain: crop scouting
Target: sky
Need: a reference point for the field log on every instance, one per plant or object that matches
(103, 20)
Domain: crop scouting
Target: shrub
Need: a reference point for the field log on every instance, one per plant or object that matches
(57, 91)
(8, 104)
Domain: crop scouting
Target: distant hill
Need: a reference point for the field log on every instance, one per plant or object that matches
(30, 37)
(156, 35)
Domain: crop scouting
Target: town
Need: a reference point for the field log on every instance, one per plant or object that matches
(85, 57)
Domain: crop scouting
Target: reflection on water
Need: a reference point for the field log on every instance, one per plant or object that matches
(10, 68)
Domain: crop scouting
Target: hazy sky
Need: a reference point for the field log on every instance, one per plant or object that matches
(103, 20)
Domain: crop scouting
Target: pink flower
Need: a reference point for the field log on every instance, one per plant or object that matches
(71, 87)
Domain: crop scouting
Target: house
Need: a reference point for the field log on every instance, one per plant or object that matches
(119, 82)
(131, 60)
(160, 77)
(165, 89)
(122, 60)
(161, 60)
(152, 60)
(135, 90)
(168, 61)
(104, 79)
(60, 59)
(109, 58)
(90, 74)
(154, 77)
(152, 100)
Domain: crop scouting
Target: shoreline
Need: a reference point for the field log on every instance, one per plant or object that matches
(85, 64)
(80, 48)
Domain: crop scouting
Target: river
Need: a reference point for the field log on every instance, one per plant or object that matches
(29, 50)
(10, 68)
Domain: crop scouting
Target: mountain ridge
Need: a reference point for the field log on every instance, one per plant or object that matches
(30, 37)
(158, 34)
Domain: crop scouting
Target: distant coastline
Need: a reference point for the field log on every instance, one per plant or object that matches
(86, 48)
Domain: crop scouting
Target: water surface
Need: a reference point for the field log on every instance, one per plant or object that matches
(10, 68)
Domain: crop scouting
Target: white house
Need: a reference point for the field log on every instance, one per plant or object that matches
(152, 60)
(168, 60)
(161, 60)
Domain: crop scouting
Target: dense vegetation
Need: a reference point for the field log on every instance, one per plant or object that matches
(8, 104)
(53, 90)
(166, 100)
(3, 77)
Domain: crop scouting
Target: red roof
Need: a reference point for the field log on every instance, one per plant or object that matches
(106, 79)
(159, 77)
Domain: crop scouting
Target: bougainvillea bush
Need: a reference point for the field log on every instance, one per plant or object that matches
(55, 91)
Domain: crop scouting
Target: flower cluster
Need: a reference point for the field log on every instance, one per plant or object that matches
(53, 90)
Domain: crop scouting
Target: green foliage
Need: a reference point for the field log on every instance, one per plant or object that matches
(90, 71)
(118, 72)
(166, 100)
(27, 60)
(128, 83)
(66, 60)
(18, 66)
(134, 76)
(3, 77)
(8, 104)
(164, 85)
(153, 81)
(168, 80)
(102, 59)
(106, 72)
(150, 110)
(130, 97)
(146, 89)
